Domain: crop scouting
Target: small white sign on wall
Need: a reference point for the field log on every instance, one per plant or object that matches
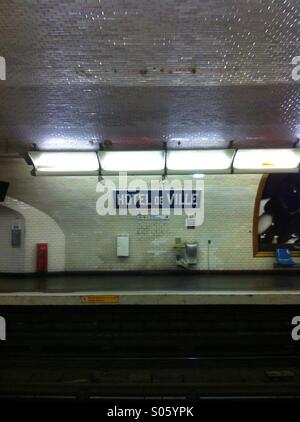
(123, 245)
(2, 69)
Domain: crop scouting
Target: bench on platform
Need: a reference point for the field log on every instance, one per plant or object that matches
(284, 260)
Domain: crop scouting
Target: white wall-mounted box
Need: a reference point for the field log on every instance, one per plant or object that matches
(123, 245)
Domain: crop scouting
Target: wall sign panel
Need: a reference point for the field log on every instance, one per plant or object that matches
(277, 214)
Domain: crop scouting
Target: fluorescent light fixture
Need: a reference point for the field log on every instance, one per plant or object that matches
(267, 161)
(132, 162)
(50, 163)
(192, 162)
(200, 161)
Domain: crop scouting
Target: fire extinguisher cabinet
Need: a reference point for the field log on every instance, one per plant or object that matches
(42, 257)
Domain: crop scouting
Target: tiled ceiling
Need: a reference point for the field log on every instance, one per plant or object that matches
(135, 73)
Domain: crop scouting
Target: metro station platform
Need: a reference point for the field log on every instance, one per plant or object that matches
(167, 288)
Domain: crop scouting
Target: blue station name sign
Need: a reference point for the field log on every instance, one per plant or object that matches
(160, 199)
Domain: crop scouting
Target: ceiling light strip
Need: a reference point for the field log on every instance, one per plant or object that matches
(176, 162)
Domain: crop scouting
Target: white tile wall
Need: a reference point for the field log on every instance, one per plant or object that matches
(91, 239)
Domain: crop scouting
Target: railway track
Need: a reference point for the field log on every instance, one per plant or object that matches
(92, 353)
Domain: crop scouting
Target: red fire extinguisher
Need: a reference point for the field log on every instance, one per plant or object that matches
(42, 257)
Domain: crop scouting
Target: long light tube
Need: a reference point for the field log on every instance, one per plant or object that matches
(199, 161)
(267, 161)
(64, 163)
(132, 162)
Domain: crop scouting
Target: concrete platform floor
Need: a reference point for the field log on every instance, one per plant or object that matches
(164, 288)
